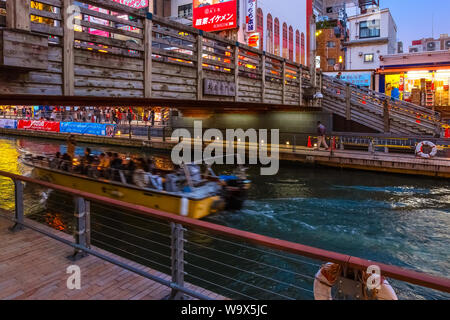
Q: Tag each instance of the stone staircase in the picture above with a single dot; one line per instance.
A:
(366, 107)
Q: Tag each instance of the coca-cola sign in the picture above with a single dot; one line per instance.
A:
(49, 126)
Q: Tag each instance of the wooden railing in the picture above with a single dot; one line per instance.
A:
(118, 51)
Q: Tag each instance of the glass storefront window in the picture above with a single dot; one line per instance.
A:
(422, 87)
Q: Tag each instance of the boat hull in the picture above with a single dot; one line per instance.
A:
(196, 208)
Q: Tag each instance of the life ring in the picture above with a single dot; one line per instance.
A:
(324, 280)
(327, 276)
(420, 153)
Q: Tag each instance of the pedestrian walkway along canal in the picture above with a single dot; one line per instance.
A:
(393, 219)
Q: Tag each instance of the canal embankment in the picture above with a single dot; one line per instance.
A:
(370, 160)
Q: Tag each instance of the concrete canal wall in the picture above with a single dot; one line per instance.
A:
(348, 159)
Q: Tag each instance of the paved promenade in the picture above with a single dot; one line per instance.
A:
(33, 267)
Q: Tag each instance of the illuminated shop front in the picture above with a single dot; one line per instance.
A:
(423, 80)
(422, 87)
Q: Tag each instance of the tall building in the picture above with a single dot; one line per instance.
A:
(277, 28)
(330, 51)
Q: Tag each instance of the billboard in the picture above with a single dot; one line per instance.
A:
(97, 129)
(49, 126)
(8, 123)
(251, 15)
(362, 79)
(215, 15)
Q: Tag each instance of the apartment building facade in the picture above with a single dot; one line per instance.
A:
(371, 35)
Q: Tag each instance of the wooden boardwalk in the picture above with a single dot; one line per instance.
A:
(33, 267)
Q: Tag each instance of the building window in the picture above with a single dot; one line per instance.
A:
(331, 44)
(260, 27)
(291, 43)
(303, 47)
(276, 37)
(285, 41)
(269, 33)
(368, 57)
(185, 11)
(331, 62)
(369, 29)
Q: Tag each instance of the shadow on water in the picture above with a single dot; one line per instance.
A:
(393, 219)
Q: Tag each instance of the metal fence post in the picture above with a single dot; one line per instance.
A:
(18, 198)
(177, 256)
(82, 226)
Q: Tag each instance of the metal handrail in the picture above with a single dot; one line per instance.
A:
(413, 277)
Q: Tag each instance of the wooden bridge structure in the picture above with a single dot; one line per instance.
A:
(100, 52)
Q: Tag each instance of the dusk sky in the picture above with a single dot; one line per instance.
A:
(413, 18)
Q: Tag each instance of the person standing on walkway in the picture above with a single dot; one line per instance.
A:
(321, 138)
(152, 118)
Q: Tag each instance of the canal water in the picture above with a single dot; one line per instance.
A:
(393, 219)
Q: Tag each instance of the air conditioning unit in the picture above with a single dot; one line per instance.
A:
(432, 46)
(447, 44)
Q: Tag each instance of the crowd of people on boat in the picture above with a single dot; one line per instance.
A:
(111, 166)
(138, 171)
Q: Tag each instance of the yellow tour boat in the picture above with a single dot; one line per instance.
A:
(190, 194)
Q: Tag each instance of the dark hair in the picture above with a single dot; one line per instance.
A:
(318, 122)
(88, 150)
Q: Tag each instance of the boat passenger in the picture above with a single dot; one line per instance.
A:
(140, 177)
(56, 161)
(116, 165)
(103, 164)
(66, 162)
(71, 143)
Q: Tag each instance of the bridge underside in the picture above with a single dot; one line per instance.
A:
(199, 106)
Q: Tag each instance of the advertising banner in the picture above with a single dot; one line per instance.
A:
(8, 124)
(251, 15)
(97, 129)
(49, 126)
(362, 79)
(215, 15)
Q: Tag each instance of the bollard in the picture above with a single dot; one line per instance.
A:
(18, 214)
(149, 133)
(82, 226)
(177, 257)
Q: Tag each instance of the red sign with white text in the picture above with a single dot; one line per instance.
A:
(49, 126)
(215, 15)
